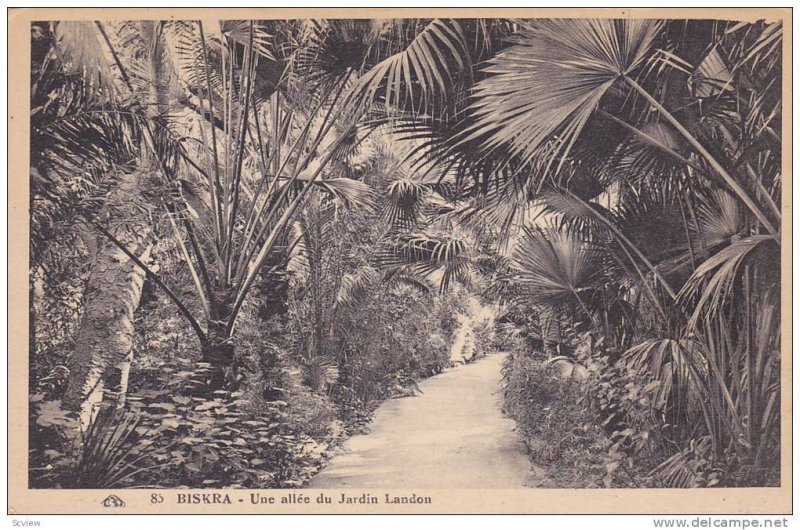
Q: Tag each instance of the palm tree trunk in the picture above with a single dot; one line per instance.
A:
(218, 347)
(104, 340)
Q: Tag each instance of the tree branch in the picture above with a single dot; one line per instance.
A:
(153, 276)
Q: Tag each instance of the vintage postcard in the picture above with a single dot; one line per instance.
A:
(400, 261)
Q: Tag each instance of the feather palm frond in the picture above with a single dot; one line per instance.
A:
(354, 286)
(422, 70)
(714, 280)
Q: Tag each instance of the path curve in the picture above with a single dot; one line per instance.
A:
(454, 435)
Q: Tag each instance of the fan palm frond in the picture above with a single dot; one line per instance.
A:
(327, 50)
(597, 217)
(404, 202)
(550, 81)
(79, 46)
(652, 210)
(720, 218)
(239, 32)
(555, 268)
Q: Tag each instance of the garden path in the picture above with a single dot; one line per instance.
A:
(453, 435)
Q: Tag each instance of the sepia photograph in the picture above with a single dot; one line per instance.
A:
(349, 261)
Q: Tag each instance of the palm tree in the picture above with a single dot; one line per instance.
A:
(614, 126)
(84, 128)
(695, 145)
(234, 158)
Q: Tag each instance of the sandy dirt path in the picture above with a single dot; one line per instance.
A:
(454, 435)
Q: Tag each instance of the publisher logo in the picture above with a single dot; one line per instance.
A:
(112, 501)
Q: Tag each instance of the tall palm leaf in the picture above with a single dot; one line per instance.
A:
(715, 279)
(680, 370)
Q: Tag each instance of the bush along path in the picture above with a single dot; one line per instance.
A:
(563, 438)
(452, 435)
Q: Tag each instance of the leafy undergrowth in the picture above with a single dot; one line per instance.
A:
(274, 428)
(177, 438)
(561, 434)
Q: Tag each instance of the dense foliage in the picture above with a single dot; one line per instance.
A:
(244, 237)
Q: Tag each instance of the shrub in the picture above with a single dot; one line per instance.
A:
(560, 433)
(484, 338)
(401, 335)
(622, 401)
(175, 437)
(106, 455)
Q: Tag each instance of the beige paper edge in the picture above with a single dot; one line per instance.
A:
(455, 501)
